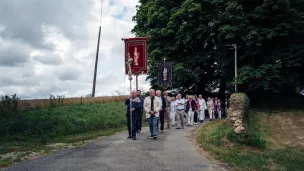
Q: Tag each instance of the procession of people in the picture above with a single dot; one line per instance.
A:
(174, 111)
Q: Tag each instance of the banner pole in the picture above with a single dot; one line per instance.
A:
(130, 98)
(136, 82)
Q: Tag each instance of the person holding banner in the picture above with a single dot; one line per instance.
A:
(152, 106)
(136, 106)
(162, 111)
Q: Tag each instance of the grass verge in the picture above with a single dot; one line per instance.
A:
(31, 133)
(217, 137)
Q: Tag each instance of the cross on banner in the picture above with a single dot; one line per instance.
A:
(128, 63)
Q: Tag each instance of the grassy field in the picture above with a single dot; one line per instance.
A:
(276, 143)
(25, 134)
(52, 101)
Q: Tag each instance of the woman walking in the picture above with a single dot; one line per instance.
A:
(173, 110)
(210, 108)
(219, 108)
(190, 109)
(197, 111)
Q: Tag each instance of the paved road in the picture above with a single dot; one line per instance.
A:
(172, 151)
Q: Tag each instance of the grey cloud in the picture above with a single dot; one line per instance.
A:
(69, 75)
(12, 55)
(26, 22)
(108, 79)
(7, 80)
(49, 59)
(24, 19)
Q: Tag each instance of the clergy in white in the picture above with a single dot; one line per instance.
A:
(203, 107)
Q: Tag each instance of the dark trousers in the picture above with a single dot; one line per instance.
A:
(139, 121)
(162, 119)
(134, 125)
(195, 117)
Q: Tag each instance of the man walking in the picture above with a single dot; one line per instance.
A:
(136, 106)
(162, 111)
(180, 111)
(167, 109)
(203, 107)
(152, 106)
(139, 121)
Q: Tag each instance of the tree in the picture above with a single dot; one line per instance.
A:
(194, 34)
(171, 27)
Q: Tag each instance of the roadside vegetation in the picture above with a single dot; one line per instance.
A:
(274, 142)
(28, 132)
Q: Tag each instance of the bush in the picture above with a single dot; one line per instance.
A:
(8, 106)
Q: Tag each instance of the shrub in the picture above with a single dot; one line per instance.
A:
(8, 106)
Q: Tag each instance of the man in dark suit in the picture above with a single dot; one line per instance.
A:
(191, 107)
(136, 106)
(163, 110)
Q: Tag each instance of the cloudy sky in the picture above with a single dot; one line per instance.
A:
(48, 47)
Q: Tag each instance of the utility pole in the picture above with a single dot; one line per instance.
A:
(235, 65)
(97, 52)
(96, 62)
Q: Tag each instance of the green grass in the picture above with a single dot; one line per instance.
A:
(259, 153)
(32, 130)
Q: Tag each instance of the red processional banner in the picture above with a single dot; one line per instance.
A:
(138, 50)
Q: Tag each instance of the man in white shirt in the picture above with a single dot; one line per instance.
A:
(180, 111)
(152, 106)
(203, 107)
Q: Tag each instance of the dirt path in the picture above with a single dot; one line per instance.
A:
(172, 151)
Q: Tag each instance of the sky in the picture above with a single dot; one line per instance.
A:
(49, 47)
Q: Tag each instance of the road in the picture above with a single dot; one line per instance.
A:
(172, 151)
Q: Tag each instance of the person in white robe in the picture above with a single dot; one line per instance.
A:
(203, 108)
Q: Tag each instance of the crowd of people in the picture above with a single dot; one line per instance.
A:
(176, 111)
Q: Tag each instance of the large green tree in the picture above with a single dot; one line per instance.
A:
(194, 34)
